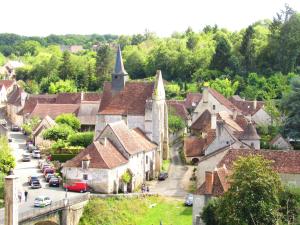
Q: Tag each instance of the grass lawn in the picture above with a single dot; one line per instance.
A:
(166, 165)
(136, 211)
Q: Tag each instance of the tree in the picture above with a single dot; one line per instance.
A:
(104, 62)
(62, 86)
(66, 69)
(7, 160)
(135, 62)
(81, 139)
(68, 119)
(221, 58)
(61, 131)
(291, 103)
(247, 49)
(224, 86)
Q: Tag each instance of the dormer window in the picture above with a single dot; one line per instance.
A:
(85, 163)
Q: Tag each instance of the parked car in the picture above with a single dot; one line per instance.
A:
(49, 176)
(26, 157)
(45, 166)
(54, 182)
(31, 147)
(3, 122)
(77, 187)
(189, 200)
(35, 184)
(163, 176)
(42, 201)
(48, 170)
(36, 154)
(32, 178)
(15, 128)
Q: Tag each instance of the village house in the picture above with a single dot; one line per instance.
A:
(213, 171)
(139, 104)
(116, 150)
(37, 133)
(191, 101)
(253, 110)
(280, 143)
(6, 86)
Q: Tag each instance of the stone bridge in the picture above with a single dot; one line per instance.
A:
(63, 212)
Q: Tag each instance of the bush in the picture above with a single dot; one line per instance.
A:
(209, 215)
(61, 131)
(83, 139)
(7, 160)
(126, 177)
(68, 119)
(62, 157)
(30, 125)
(176, 123)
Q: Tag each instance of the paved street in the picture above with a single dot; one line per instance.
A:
(173, 186)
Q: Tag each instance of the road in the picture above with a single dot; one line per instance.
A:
(25, 169)
(173, 186)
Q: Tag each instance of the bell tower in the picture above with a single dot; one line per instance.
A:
(119, 76)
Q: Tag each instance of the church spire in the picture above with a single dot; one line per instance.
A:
(119, 76)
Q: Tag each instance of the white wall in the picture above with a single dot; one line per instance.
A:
(136, 121)
(261, 117)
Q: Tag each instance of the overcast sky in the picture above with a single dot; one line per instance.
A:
(44, 17)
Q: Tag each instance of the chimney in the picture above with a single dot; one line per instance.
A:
(205, 94)
(255, 104)
(220, 124)
(81, 95)
(213, 121)
(103, 141)
(209, 177)
(234, 114)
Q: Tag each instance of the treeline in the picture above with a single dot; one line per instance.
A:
(257, 62)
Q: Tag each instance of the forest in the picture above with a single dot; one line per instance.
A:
(256, 62)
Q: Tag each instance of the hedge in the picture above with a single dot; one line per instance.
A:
(62, 157)
(83, 139)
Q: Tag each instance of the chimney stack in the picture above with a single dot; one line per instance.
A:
(209, 177)
(81, 95)
(255, 104)
(213, 121)
(205, 94)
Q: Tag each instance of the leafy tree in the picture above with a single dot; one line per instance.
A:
(291, 103)
(221, 58)
(81, 139)
(225, 86)
(2, 59)
(290, 205)
(68, 119)
(66, 69)
(135, 62)
(247, 49)
(61, 131)
(104, 63)
(29, 47)
(172, 90)
(7, 160)
(30, 125)
(62, 86)
(175, 122)
(32, 87)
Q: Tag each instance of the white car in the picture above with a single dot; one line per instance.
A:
(36, 154)
(42, 201)
(26, 157)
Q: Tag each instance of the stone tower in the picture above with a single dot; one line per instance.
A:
(11, 201)
(119, 76)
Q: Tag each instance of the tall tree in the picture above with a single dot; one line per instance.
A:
(221, 58)
(247, 49)
(104, 63)
(66, 69)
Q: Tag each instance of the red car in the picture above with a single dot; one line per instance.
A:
(49, 170)
(77, 187)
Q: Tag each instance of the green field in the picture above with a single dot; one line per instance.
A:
(136, 211)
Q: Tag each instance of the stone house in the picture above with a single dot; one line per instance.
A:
(191, 101)
(139, 104)
(212, 182)
(253, 110)
(37, 133)
(280, 143)
(15, 102)
(116, 150)
(6, 86)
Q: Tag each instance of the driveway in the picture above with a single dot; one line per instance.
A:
(174, 185)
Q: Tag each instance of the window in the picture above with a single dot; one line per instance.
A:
(252, 145)
(146, 159)
(85, 176)
(214, 107)
(116, 77)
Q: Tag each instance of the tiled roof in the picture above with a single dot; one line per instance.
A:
(178, 108)
(132, 140)
(14, 97)
(46, 123)
(219, 186)
(91, 96)
(247, 107)
(192, 100)
(249, 133)
(87, 113)
(53, 110)
(283, 161)
(130, 101)
(242, 121)
(203, 122)
(272, 142)
(229, 121)
(222, 100)
(102, 156)
(68, 98)
(32, 100)
(6, 83)
(194, 146)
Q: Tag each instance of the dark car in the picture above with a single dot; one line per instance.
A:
(35, 184)
(49, 176)
(32, 178)
(54, 182)
(163, 176)
(15, 128)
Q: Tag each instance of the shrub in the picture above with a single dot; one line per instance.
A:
(176, 123)
(81, 139)
(7, 160)
(61, 131)
(62, 157)
(68, 119)
(126, 177)
(30, 125)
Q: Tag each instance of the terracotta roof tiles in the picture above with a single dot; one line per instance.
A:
(53, 110)
(6, 83)
(247, 107)
(192, 100)
(178, 107)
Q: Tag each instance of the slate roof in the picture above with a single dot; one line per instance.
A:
(247, 107)
(178, 107)
(129, 101)
(220, 183)
(6, 83)
(283, 161)
(249, 133)
(53, 110)
(192, 100)
(119, 66)
(102, 156)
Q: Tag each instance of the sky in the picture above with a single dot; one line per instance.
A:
(44, 17)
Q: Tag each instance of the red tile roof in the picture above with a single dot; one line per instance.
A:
(6, 83)
(194, 146)
(68, 98)
(102, 156)
(192, 100)
(283, 161)
(130, 101)
(247, 107)
(53, 110)
(14, 97)
(222, 100)
(32, 100)
(178, 107)
(203, 123)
